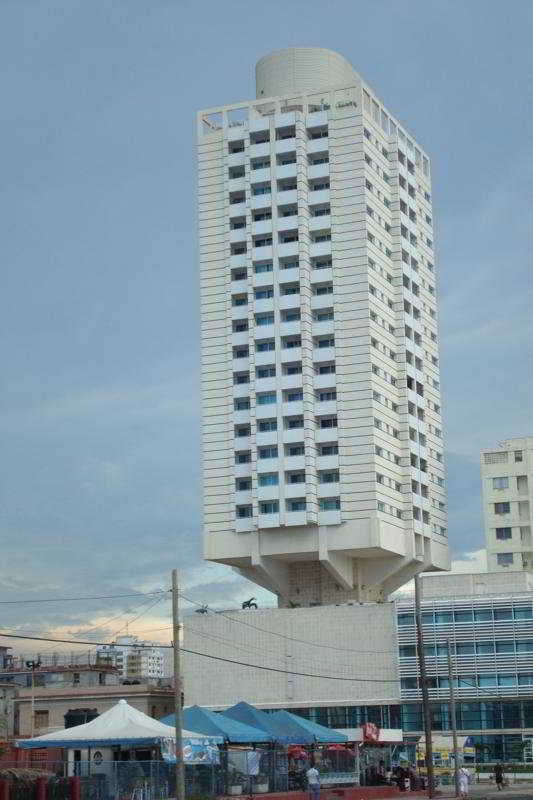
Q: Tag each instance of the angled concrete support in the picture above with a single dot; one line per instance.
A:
(339, 566)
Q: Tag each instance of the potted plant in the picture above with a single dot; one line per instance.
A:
(261, 783)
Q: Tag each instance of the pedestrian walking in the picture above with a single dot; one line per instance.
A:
(499, 776)
(313, 783)
(464, 779)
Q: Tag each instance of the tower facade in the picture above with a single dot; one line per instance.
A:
(507, 489)
(323, 454)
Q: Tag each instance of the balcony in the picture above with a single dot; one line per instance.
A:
(288, 223)
(262, 253)
(262, 175)
(291, 381)
(264, 358)
(288, 197)
(289, 301)
(318, 145)
(319, 223)
(327, 462)
(323, 354)
(324, 381)
(293, 408)
(267, 493)
(291, 275)
(236, 159)
(268, 521)
(263, 279)
(325, 435)
(241, 390)
(318, 196)
(260, 306)
(246, 524)
(266, 411)
(239, 312)
(262, 226)
(286, 170)
(329, 518)
(321, 328)
(237, 235)
(325, 407)
(240, 286)
(318, 171)
(294, 490)
(266, 385)
(290, 329)
(328, 490)
(241, 337)
(321, 301)
(261, 200)
(320, 249)
(240, 364)
(242, 442)
(243, 470)
(261, 150)
(237, 260)
(241, 418)
(287, 249)
(286, 146)
(322, 275)
(292, 435)
(264, 438)
(291, 354)
(295, 462)
(296, 518)
(237, 209)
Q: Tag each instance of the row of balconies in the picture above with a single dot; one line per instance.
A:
(283, 224)
(273, 172)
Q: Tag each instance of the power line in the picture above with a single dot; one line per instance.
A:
(284, 636)
(73, 599)
(215, 658)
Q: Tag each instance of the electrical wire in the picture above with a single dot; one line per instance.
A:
(73, 599)
(215, 658)
(284, 636)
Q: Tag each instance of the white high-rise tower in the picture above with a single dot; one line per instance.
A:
(323, 454)
(507, 487)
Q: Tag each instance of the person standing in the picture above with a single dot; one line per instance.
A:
(499, 776)
(464, 779)
(313, 783)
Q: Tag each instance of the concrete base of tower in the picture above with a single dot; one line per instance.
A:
(357, 561)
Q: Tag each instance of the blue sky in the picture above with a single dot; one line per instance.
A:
(100, 475)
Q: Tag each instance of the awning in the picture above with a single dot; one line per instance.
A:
(120, 725)
(303, 727)
(277, 730)
(213, 724)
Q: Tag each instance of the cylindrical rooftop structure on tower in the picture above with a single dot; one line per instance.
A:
(302, 69)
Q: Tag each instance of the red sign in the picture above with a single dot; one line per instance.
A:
(370, 732)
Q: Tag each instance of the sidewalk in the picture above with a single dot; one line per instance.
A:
(486, 791)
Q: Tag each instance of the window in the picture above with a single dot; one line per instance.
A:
(266, 398)
(294, 422)
(328, 422)
(503, 614)
(243, 512)
(483, 615)
(502, 508)
(293, 315)
(330, 504)
(266, 425)
(329, 477)
(407, 651)
(505, 647)
(264, 294)
(241, 403)
(42, 717)
(464, 616)
(266, 267)
(296, 505)
(268, 452)
(268, 479)
(243, 484)
(466, 649)
(243, 457)
(328, 450)
(406, 619)
(504, 533)
(523, 613)
(265, 372)
(294, 396)
(326, 396)
(270, 507)
(518, 455)
(263, 347)
(408, 683)
(484, 648)
(295, 450)
(295, 477)
(264, 319)
(500, 483)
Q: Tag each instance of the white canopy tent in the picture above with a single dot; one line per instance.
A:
(120, 725)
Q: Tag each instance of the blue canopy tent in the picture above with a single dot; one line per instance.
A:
(299, 725)
(244, 712)
(208, 722)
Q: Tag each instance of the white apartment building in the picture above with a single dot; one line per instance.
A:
(324, 475)
(135, 659)
(507, 488)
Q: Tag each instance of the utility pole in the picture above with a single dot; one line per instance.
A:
(426, 710)
(178, 706)
(453, 719)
